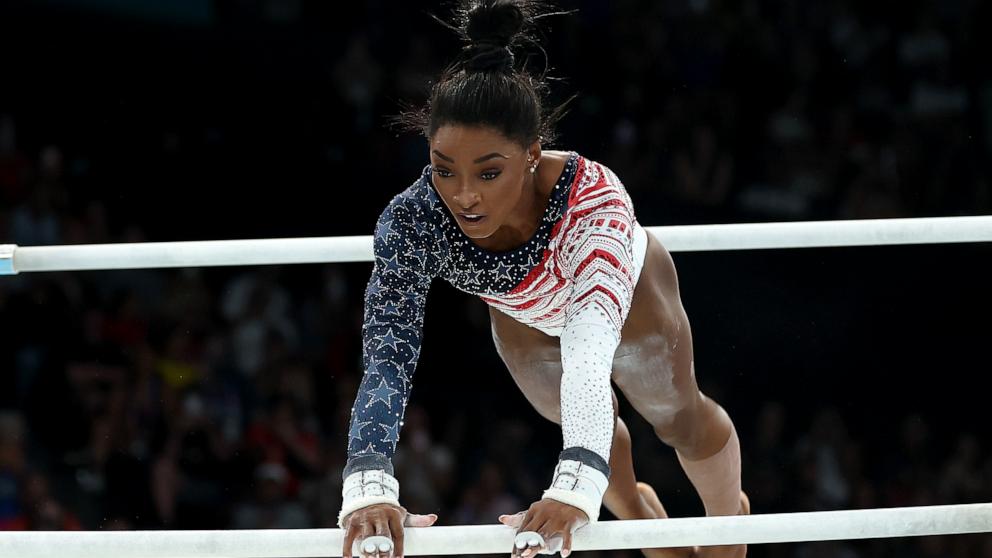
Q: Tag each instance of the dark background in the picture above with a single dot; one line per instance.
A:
(218, 398)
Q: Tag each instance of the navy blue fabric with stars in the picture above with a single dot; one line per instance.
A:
(417, 240)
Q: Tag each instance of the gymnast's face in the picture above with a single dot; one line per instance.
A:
(483, 177)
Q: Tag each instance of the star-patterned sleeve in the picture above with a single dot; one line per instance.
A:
(598, 255)
(391, 335)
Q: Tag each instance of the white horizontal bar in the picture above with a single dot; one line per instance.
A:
(202, 253)
(688, 238)
(824, 234)
(496, 539)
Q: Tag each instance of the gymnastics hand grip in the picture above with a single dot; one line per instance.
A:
(373, 545)
(533, 538)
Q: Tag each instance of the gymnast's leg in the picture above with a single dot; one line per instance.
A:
(655, 370)
(534, 361)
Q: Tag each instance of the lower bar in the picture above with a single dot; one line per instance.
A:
(496, 539)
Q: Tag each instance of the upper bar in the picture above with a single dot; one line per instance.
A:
(687, 238)
(496, 539)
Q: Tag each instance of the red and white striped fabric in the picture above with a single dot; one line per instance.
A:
(582, 292)
(590, 259)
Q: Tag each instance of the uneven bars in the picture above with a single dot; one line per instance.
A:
(496, 539)
(687, 238)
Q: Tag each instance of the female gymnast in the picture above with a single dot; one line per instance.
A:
(579, 294)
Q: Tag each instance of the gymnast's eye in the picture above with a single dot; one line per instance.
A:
(443, 173)
(490, 175)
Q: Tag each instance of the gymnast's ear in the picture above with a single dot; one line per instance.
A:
(534, 152)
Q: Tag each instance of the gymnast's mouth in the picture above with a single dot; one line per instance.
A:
(470, 218)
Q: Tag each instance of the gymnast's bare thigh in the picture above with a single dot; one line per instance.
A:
(652, 366)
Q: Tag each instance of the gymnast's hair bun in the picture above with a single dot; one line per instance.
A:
(483, 86)
(490, 27)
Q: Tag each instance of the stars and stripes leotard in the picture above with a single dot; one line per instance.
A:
(573, 279)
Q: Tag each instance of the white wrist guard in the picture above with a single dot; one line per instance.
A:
(579, 485)
(368, 488)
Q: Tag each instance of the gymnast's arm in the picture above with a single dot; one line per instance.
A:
(391, 336)
(599, 257)
(598, 254)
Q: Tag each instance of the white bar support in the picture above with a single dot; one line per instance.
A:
(688, 238)
(497, 539)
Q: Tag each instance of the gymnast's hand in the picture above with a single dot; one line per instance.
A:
(552, 520)
(384, 520)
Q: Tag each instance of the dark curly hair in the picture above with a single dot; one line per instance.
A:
(485, 86)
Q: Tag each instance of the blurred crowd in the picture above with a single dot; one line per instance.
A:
(203, 399)
(791, 110)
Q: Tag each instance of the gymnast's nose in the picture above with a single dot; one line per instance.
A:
(466, 198)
